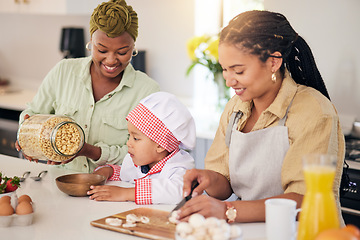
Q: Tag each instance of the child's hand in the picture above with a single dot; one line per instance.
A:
(105, 170)
(111, 193)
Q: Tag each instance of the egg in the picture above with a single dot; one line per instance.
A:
(24, 197)
(23, 208)
(6, 199)
(6, 209)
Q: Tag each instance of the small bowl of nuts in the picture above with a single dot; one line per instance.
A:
(78, 184)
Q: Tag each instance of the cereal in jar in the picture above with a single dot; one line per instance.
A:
(50, 137)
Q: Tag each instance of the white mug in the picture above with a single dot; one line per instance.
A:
(280, 219)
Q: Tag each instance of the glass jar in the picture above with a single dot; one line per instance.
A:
(50, 137)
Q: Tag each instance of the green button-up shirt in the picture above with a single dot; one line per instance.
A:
(67, 90)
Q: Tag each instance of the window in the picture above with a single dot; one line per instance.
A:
(210, 17)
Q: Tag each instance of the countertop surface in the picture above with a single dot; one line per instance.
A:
(16, 99)
(59, 216)
(353, 164)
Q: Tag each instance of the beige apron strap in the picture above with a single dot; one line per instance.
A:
(283, 120)
(234, 119)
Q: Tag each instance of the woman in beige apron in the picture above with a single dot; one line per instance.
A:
(280, 112)
(248, 180)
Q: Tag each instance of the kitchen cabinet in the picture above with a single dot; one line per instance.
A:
(8, 134)
(11, 105)
(54, 7)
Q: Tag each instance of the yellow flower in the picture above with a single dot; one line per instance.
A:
(203, 51)
(193, 43)
(212, 49)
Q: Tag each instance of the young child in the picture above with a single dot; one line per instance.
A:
(158, 126)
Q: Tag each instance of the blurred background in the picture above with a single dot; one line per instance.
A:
(31, 33)
(36, 34)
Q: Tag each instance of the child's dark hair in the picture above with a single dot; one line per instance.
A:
(263, 33)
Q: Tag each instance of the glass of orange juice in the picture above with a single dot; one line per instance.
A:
(318, 210)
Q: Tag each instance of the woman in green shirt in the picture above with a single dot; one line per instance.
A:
(100, 90)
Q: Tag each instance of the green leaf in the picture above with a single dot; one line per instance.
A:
(190, 68)
(3, 185)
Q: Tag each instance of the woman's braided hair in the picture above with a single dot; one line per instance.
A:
(263, 33)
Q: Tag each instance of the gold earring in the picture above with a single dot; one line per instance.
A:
(273, 77)
(88, 46)
(135, 52)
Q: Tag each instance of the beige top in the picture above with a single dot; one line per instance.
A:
(313, 127)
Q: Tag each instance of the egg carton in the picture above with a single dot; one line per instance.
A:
(16, 220)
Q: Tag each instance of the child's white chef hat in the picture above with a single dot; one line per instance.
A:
(165, 120)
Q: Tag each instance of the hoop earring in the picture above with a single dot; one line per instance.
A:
(273, 77)
(135, 52)
(88, 46)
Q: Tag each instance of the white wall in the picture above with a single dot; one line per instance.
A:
(332, 29)
(29, 44)
(165, 27)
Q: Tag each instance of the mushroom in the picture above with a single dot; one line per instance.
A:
(196, 220)
(144, 219)
(184, 229)
(131, 218)
(113, 221)
(174, 217)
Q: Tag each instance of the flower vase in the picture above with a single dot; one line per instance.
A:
(223, 91)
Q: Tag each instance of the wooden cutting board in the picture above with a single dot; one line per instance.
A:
(158, 228)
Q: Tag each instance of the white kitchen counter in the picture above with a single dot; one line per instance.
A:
(16, 99)
(59, 216)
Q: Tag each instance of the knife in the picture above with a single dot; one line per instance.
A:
(187, 198)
